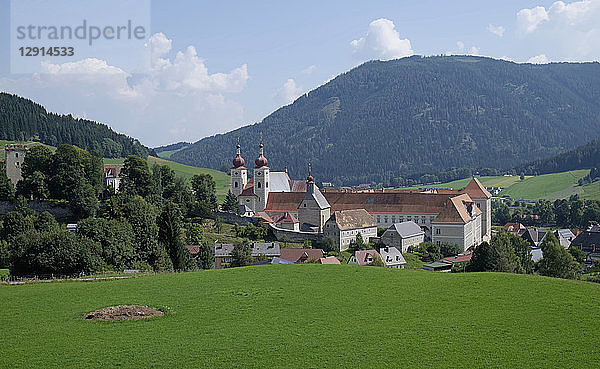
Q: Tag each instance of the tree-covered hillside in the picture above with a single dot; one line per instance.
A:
(406, 117)
(583, 157)
(22, 119)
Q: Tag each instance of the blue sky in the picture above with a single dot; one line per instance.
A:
(251, 57)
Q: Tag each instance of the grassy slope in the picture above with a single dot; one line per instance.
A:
(307, 316)
(548, 186)
(187, 171)
(167, 153)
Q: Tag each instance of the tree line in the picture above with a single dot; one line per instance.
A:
(145, 225)
(563, 213)
(23, 120)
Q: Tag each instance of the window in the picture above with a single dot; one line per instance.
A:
(393, 219)
(304, 204)
(258, 184)
(439, 243)
(17, 155)
(378, 219)
(267, 184)
(235, 185)
(247, 200)
(438, 231)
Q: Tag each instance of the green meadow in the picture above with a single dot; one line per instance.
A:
(547, 186)
(306, 316)
(187, 171)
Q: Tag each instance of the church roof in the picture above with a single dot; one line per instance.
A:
(279, 182)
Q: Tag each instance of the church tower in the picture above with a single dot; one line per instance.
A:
(261, 180)
(314, 210)
(239, 173)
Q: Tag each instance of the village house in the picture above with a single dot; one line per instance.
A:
(343, 226)
(363, 257)
(588, 242)
(223, 252)
(403, 235)
(392, 257)
(300, 255)
(534, 236)
(112, 176)
(329, 260)
(565, 237)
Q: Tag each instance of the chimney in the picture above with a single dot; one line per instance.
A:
(285, 169)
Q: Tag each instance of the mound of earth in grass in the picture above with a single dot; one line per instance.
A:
(120, 312)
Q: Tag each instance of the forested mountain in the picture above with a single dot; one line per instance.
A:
(583, 157)
(22, 119)
(406, 117)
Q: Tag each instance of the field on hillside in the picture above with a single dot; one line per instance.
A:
(306, 316)
(547, 186)
(187, 171)
(167, 153)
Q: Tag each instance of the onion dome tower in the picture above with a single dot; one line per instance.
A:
(261, 179)
(239, 173)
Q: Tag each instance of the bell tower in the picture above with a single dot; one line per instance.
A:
(261, 180)
(239, 173)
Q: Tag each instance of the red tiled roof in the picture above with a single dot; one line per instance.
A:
(193, 249)
(476, 190)
(288, 218)
(295, 255)
(458, 258)
(362, 255)
(248, 191)
(457, 210)
(329, 260)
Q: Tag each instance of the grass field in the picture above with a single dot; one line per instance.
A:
(306, 316)
(187, 171)
(547, 186)
(167, 153)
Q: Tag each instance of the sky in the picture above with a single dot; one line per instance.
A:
(214, 66)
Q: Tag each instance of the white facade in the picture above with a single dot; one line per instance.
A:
(463, 235)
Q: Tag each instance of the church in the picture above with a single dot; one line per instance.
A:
(462, 217)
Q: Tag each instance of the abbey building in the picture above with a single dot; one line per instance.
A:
(462, 217)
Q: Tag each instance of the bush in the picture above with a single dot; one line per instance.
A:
(55, 252)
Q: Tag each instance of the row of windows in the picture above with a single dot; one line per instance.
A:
(423, 219)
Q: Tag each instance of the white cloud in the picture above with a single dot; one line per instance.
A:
(382, 41)
(539, 59)
(177, 100)
(474, 50)
(289, 92)
(570, 30)
(529, 19)
(309, 69)
(460, 45)
(497, 30)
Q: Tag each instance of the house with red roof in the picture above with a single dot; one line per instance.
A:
(300, 255)
(364, 257)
